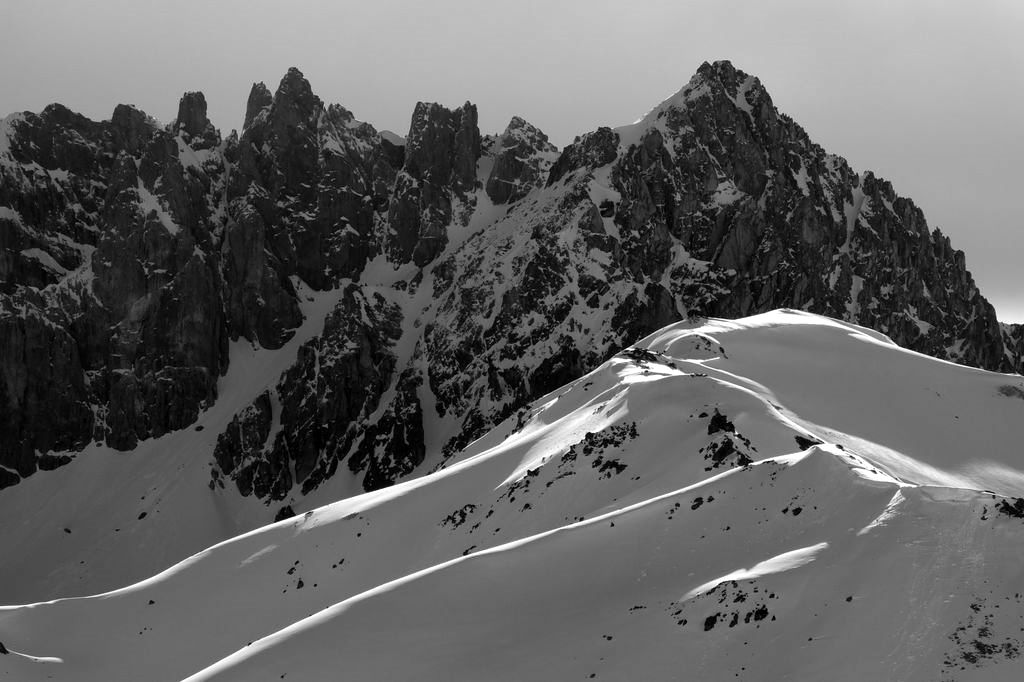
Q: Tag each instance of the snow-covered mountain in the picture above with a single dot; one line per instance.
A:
(783, 496)
(200, 334)
(481, 271)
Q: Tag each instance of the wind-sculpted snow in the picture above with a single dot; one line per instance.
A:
(586, 537)
(972, 435)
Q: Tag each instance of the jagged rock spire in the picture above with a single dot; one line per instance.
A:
(441, 156)
(192, 114)
(259, 99)
(522, 161)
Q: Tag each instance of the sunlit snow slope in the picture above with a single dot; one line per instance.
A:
(782, 497)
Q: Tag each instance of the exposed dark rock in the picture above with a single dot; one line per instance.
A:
(261, 303)
(592, 150)
(522, 161)
(640, 356)
(433, 188)
(43, 393)
(459, 516)
(136, 351)
(310, 173)
(1013, 510)
(729, 447)
(805, 443)
(130, 128)
(394, 446)
(259, 99)
(8, 478)
(720, 422)
(193, 123)
(1013, 345)
(324, 399)
(244, 440)
(132, 254)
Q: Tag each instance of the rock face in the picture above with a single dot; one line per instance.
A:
(522, 160)
(435, 183)
(133, 254)
(470, 273)
(1013, 345)
(336, 382)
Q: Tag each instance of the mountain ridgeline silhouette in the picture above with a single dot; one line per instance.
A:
(465, 274)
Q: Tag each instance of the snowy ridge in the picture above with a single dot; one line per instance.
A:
(783, 496)
(631, 134)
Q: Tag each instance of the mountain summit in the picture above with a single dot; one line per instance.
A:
(314, 308)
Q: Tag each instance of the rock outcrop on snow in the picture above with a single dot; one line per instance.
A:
(727, 499)
(475, 273)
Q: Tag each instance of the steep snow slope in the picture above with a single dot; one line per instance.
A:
(669, 515)
(111, 517)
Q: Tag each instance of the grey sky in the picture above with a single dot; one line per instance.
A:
(927, 94)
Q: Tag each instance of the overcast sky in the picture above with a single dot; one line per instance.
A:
(929, 95)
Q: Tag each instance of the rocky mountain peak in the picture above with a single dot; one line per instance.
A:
(517, 122)
(522, 160)
(716, 94)
(438, 175)
(192, 114)
(295, 93)
(260, 98)
(341, 115)
(61, 115)
(722, 70)
(594, 149)
(720, 74)
(193, 122)
(443, 144)
(520, 132)
(131, 127)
